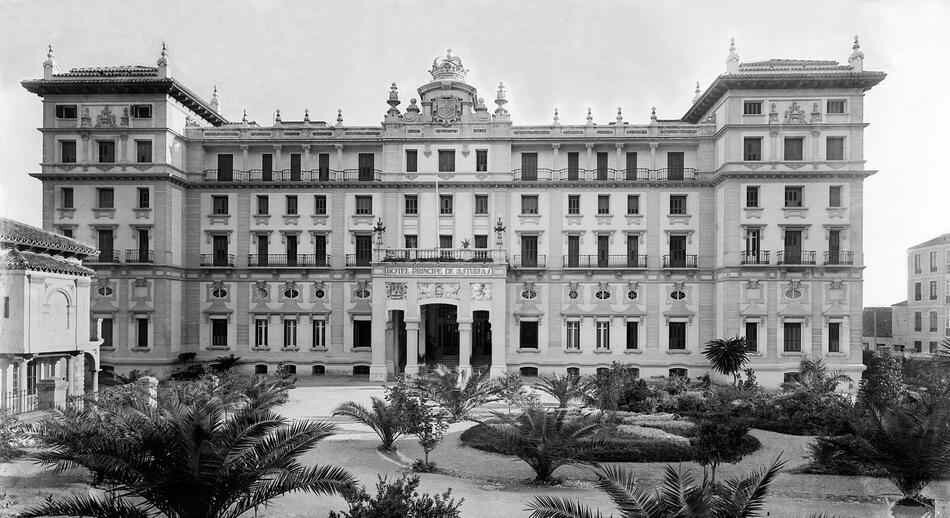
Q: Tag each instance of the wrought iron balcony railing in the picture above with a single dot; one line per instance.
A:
(217, 259)
(543, 174)
(290, 176)
(680, 261)
(756, 259)
(529, 261)
(839, 257)
(105, 257)
(361, 260)
(802, 257)
(137, 255)
(603, 261)
(464, 255)
(289, 260)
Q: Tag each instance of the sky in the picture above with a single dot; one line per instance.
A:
(325, 55)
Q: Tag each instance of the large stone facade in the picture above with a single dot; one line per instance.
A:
(449, 234)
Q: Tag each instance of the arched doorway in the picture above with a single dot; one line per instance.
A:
(481, 339)
(89, 373)
(439, 326)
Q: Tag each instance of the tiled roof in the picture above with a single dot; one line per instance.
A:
(23, 235)
(14, 259)
(939, 240)
(115, 71)
(792, 64)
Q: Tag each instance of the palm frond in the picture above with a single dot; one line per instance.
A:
(85, 505)
(621, 486)
(746, 495)
(557, 507)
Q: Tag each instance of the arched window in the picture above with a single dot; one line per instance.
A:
(529, 372)
(573, 371)
(260, 369)
(319, 370)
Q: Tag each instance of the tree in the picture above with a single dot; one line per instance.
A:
(719, 440)
(382, 417)
(459, 394)
(563, 388)
(419, 416)
(545, 439)
(399, 499)
(727, 356)
(195, 452)
(510, 389)
(677, 495)
(883, 381)
(225, 363)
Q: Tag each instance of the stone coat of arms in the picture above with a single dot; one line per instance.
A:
(446, 110)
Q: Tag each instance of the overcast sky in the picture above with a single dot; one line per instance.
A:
(265, 55)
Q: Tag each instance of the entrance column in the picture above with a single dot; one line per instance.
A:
(378, 369)
(465, 347)
(412, 347)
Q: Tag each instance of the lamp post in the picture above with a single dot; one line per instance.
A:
(378, 230)
(499, 233)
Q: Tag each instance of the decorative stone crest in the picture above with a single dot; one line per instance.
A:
(439, 290)
(261, 292)
(448, 67)
(446, 110)
(362, 291)
(105, 119)
(86, 120)
(481, 291)
(795, 114)
(124, 120)
(290, 291)
(773, 114)
(395, 290)
(319, 290)
(815, 113)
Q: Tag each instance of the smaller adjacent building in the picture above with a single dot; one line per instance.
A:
(878, 328)
(46, 353)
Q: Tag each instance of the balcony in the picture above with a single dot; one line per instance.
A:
(135, 255)
(755, 259)
(291, 176)
(680, 261)
(361, 260)
(218, 259)
(454, 255)
(105, 257)
(839, 258)
(529, 262)
(605, 175)
(289, 260)
(603, 261)
(795, 257)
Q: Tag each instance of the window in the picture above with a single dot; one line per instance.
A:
(918, 346)
(290, 333)
(481, 241)
(219, 332)
(917, 291)
(933, 261)
(319, 333)
(323, 166)
(834, 196)
(481, 204)
(601, 165)
(793, 196)
(752, 108)
(834, 337)
(106, 333)
(835, 106)
(6, 307)
(445, 241)
(291, 205)
(320, 204)
(933, 290)
(295, 167)
(143, 151)
(445, 204)
(834, 148)
(446, 160)
(574, 204)
(677, 331)
(603, 335)
(918, 321)
(106, 151)
(141, 111)
(752, 337)
(67, 151)
(267, 167)
(678, 204)
(528, 332)
(529, 166)
(68, 232)
(752, 149)
(261, 326)
(481, 160)
(66, 198)
(917, 264)
(794, 148)
(105, 198)
(362, 334)
(752, 196)
(529, 204)
(366, 163)
(263, 205)
(793, 337)
(219, 205)
(66, 111)
(364, 205)
(412, 161)
(633, 336)
(633, 204)
(411, 204)
(603, 204)
(933, 321)
(573, 335)
(141, 333)
(631, 166)
(933, 347)
(144, 201)
(573, 166)
(675, 163)
(260, 369)
(412, 241)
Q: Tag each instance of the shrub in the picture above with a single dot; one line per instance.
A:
(829, 456)
(459, 394)
(804, 413)
(718, 441)
(563, 388)
(382, 417)
(619, 389)
(419, 416)
(511, 389)
(882, 381)
(14, 437)
(399, 499)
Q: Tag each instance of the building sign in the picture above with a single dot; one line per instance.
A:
(438, 271)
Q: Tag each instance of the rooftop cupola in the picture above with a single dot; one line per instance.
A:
(856, 60)
(732, 62)
(448, 67)
(48, 64)
(163, 61)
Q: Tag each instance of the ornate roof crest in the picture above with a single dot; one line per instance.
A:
(448, 67)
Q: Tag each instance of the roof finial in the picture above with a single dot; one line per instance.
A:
(653, 114)
(856, 45)
(590, 116)
(501, 99)
(214, 98)
(277, 116)
(448, 53)
(339, 117)
(163, 61)
(244, 116)
(49, 53)
(696, 92)
(732, 62)
(48, 64)
(619, 116)
(856, 60)
(306, 114)
(557, 118)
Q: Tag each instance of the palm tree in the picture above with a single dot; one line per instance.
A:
(197, 456)
(815, 377)
(225, 363)
(728, 356)
(382, 417)
(545, 439)
(457, 392)
(563, 388)
(678, 495)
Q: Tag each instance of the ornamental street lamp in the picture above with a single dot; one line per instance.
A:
(499, 233)
(379, 229)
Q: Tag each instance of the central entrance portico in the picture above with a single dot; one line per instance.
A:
(451, 313)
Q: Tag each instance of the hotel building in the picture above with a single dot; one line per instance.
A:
(449, 234)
